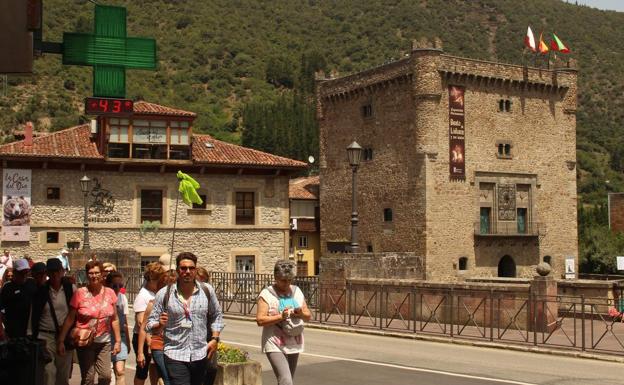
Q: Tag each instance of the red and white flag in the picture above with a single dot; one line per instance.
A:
(529, 40)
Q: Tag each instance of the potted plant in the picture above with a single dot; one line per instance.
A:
(235, 367)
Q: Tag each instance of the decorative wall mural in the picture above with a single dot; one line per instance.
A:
(507, 202)
(103, 201)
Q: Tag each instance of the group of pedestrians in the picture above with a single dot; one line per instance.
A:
(178, 321)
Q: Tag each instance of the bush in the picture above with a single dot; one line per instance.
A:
(230, 355)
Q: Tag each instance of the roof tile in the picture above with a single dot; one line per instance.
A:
(304, 188)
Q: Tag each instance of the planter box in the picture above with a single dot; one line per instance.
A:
(247, 373)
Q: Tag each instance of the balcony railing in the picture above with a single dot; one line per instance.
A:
(529, 229)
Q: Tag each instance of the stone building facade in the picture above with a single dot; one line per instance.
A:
(243, 224)
(468, 163)
(305, 240)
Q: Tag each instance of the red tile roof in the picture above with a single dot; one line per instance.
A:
(208, 150)
(304, 188)
(74, 142)
(147, 108)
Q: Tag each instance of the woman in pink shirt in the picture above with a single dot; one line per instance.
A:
(93, 307)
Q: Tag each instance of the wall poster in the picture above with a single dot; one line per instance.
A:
(16, 190)
(457, 148)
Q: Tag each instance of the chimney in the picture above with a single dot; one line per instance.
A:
(28, 134)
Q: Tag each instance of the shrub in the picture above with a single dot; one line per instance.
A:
(230, 355)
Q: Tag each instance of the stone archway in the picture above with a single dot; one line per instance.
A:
(507, 267)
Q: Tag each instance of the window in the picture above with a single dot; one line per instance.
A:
(369, 248)
(52, 237)
(463, 263)
(504, 149)
(73, 245)
(368, 153)
(303, 241)
(504, 105)
(118, 141)
(245, 210)
(149, 139)
(179, 141)
(338, 247)
(245, 264)
(484, 220)
(387, 215)
(203, 204)
(547, 259)
(53, 193)
(521, 217)
(151, 205)
(367, 110)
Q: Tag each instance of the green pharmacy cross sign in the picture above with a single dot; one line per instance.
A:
(109, 51)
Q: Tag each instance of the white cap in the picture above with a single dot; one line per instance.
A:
(165, 261)
(64, 251)
(21, 264)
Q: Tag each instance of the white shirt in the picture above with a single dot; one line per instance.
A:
(274, 340)
(140, 304)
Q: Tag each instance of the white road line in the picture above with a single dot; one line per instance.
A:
(422, 370)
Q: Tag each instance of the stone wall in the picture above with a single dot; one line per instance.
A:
(338, 268)
(210, 233)
(434, 215)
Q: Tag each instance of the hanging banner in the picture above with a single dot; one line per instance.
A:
(16, 186)
(457, 166)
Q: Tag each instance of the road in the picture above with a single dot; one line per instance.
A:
(337, 358)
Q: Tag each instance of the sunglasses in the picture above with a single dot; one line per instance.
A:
(187, 268)
(117, 285)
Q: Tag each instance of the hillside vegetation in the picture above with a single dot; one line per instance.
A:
(240, 63)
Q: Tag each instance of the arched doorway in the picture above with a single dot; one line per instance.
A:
(506, 267)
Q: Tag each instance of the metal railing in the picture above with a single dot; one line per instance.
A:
(498, 228)
(563, 322)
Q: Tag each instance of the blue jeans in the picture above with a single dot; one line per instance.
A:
(159, 359)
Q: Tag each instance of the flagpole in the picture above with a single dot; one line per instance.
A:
(175, 220)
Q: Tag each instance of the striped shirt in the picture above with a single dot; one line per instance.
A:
(187, 344)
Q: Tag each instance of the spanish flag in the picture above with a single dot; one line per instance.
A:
(557, 45)
(542, 47)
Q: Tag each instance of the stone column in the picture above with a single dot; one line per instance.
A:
(544, 309)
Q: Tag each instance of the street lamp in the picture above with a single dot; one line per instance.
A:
(354, 152)
(84, 186)
(299, 256)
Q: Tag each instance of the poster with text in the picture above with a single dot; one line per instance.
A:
(16, 189)
(570, 267)
(457, 148)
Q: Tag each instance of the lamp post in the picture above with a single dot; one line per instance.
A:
(84, 186)
(354, 152)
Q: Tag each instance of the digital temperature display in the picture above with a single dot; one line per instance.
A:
(106, 106)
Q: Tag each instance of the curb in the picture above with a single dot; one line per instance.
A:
(452, 340)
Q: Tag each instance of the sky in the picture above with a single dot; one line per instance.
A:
(614, 5)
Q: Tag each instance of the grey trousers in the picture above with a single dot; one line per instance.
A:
(57, 371)
(284, 366)
(92, 359)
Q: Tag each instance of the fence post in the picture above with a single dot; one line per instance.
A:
(348, 302)
(582, 322)
(533, 308)
(413, 293)
(381, 307)
(451, 307)
(491, 314)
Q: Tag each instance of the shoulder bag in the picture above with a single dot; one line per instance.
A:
(292, 326)
(84, 337)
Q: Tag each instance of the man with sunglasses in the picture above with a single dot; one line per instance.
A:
(190, 310)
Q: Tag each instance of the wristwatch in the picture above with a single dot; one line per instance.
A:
(215, 339)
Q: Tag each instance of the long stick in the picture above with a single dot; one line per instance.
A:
(175, 220)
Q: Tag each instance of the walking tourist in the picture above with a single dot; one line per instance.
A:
(64, 257)
(281, 312)
(50, 307)
(152, 275)
(92, 312)
(6, 262)
(156, 342)
(114, 280)
(7, 276)
(184, 314)
(39, 273)
(15, 300)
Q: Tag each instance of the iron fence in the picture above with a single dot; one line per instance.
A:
(515, 317)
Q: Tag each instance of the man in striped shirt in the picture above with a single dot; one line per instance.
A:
(186, 317)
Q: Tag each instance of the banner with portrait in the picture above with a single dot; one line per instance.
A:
(16, 193)
(457, 148)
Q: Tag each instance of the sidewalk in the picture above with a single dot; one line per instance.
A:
(75, 378)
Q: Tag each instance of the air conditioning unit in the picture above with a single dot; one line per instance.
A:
(293, 223)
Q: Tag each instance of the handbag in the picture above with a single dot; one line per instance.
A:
(84, 337)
